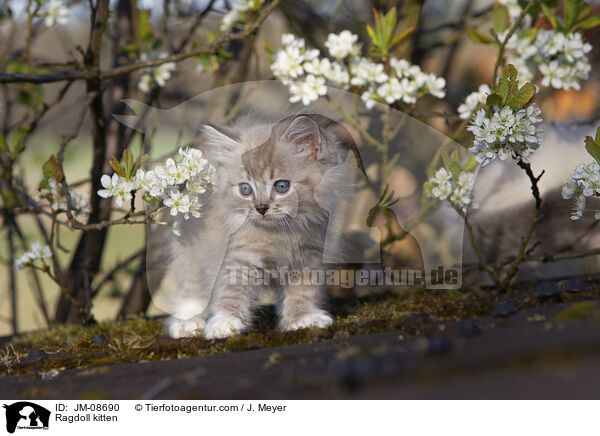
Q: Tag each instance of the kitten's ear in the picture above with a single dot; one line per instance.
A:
(220, 143)
(304, 136)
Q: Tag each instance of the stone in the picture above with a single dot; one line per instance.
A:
(35, 355)
(548, 289)
(576, 285)
(99, 339)
(467, 328)
(504, 309)
(438, 344)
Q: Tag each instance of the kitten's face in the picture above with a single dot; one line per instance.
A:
(271, 184)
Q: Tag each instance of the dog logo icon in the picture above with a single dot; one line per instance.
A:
(26, 415)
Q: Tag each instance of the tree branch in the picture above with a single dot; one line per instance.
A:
(94, 73)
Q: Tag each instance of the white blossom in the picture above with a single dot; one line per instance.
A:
(342, 45)
(578, 208)
(392, 90)
(443, 184)
(176, 184)
(553, 74)
(237, 12)
(584, 181)
(155, 76)
(118, 187)
(306, 73)
(338, 74)
(289, 39)
(473, 100)
(513, 7)
(177, 202)
(507, 133)
(369, 98)
(308, 90)
(457, 191)
(560, 58)
(36, 252)
(365, 72)
(318, 67)
(288, 63)
(435, 85)
(58, 201)
(57, 13)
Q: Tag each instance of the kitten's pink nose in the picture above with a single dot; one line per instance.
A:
(262, 208)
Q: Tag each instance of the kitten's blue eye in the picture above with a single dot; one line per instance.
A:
(245, 189)
(282, 186)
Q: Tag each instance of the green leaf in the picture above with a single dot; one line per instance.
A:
(500, 18)
(3, 144)
(503, 85)
(446, 161)
(570, 13)
(157, 43)
(494, 99)
(381, 35)
(9, 199)
(598, 136)
(30, 96)
(17, 140)
(510, 72)
(402, 36)
(530, 34)
(428, 187)
(51, 169)
(522, 96)
(549, 15)
(455, 170)
(454, 156)
(144, 27)
(268, 50)
(471, 164)
(452, 164)
(44, 185)
(513, 87)
(478, 37)
(592, 148)
(131, 48)
(114, 163)
(128, 163)
(588, 22)
(139, 163)
(372, 35)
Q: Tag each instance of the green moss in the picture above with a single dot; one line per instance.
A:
(578, 311)
(136, 338)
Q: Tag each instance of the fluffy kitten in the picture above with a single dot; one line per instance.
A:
(262, 215)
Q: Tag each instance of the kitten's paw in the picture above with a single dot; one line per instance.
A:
(222, 326)
(319, 319)
(185, 328)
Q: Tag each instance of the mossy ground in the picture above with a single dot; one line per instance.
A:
(414, 312)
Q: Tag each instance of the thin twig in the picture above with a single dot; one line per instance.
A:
(484, 265)
(514, 267)
(95, 73)
(510, 33)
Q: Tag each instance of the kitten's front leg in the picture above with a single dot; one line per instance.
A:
(300, 308)
(188, 318)
(185, 328)
(230, 308)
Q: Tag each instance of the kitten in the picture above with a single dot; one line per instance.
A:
(262, 215)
